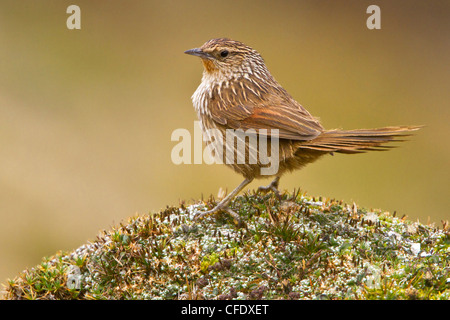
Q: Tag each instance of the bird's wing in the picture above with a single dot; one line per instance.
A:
(289, 117)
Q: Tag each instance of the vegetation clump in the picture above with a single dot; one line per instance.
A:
(300, 248)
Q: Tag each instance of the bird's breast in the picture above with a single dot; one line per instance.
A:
(200, 99)
(210, 86)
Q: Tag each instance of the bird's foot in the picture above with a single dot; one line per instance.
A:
(270, 187)
(273, 186)
(221, 208)
(223, 205)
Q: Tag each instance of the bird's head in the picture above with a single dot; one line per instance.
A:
(229, 57)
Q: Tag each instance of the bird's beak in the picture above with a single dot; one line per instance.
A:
(199, 53)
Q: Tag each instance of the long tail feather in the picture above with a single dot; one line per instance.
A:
(360, 140)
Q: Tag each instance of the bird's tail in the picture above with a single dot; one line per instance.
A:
(360, 140)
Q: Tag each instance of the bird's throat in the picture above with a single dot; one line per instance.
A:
(209, 65)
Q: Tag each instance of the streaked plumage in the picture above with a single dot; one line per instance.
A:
(238, 92)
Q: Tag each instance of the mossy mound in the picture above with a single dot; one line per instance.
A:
(301, 248)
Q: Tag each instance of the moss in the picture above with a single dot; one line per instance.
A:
(301, 248)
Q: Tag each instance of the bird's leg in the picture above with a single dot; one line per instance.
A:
(273, 186)
(223, 205)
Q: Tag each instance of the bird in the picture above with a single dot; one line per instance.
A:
(237, 92)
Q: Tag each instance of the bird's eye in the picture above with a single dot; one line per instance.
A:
(224, 53)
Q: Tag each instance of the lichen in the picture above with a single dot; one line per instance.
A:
(301, 248)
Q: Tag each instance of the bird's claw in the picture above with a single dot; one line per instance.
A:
(273, 186)
(236, 218)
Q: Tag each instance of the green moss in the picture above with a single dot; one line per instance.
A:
(301, 248)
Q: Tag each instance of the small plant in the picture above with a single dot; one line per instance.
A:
(301, 248)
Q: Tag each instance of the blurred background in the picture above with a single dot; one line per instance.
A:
(86, 115)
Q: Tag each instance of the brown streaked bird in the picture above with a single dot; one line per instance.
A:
(238, 92)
